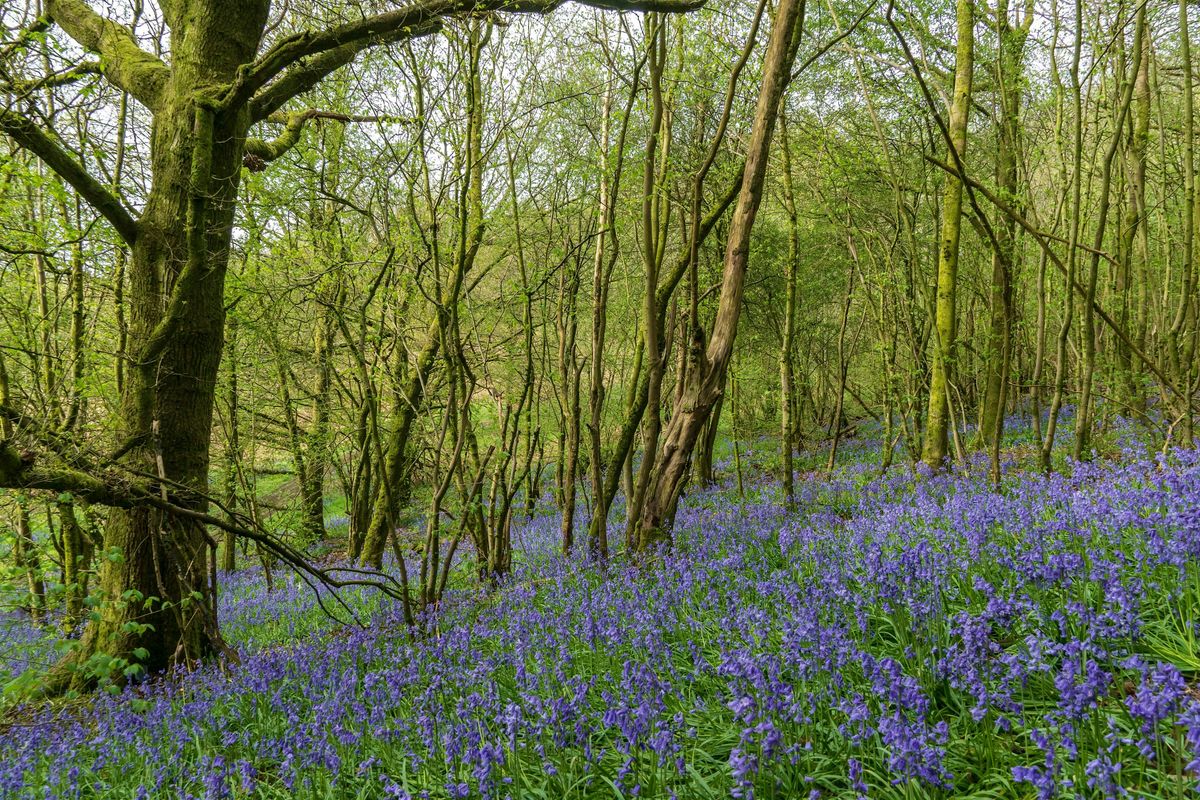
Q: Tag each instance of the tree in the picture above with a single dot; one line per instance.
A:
(939, 417)
(219, 83)
(1010, 76)
(709, 360)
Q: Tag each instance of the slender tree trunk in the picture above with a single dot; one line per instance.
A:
(603, 261)
(75, 561)
(842, 359)
(653, 249)
(939, 417)
(569, 377)
(233, 445)
(787, 368)
(1064, 333)
(1010, 80)
(1177, 334)
(1134, 248)
(708, 443)
(296, 443)
(316, 442)
(733, 432)
(1083, 417)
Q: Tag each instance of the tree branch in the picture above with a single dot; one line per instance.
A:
(28, 135)
(411, 21)
(126, 65)
(338, 46)
(306, 75)
(23, 471)
(260, 151)
(24, 88)
(24, 37)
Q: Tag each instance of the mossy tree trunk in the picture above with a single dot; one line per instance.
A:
(1180, 342)
(787, 352)
(1010, 81)
(176, 333)
(938, 417)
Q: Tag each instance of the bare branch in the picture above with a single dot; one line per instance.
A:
(825, 48)
(24, 37)
(132, 490)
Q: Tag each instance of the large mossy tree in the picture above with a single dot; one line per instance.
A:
(222, 77)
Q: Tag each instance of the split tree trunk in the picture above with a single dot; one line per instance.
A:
(710, 362)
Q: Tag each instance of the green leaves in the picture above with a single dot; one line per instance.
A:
(136, 628)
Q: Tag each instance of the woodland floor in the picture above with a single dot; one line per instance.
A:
(889, 636)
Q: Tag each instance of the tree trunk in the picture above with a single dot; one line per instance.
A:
(1134, 246)
(603, 261)
(939, 418)
(1010, 80)
(76, 555)
(1083, 416)
(233, 447)
(843, 361)
(711, 362)
(708, 442)
(176, 330)
(1064, 332)
(787, 368)
(654, 235)
(1177, 334)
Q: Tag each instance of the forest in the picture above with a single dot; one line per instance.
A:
(599, 399)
